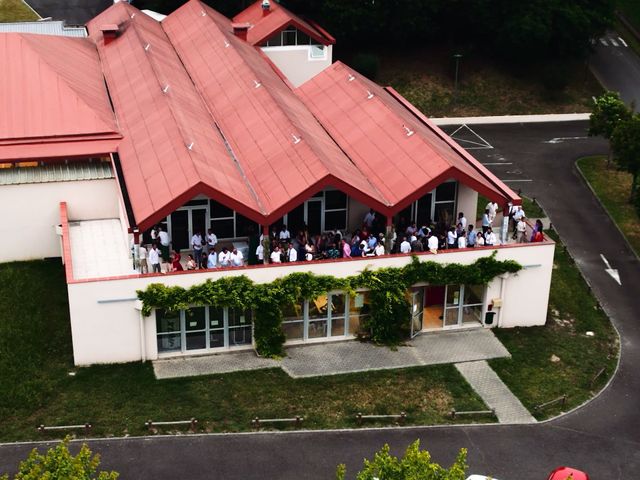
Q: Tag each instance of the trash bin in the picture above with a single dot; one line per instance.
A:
(488, 318)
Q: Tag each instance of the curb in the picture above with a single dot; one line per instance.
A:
(584, 179)
(505, 119)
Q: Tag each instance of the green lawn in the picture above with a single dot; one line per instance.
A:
(15, 11)
(531, 374)
(35, 358)
(612, 187)
(425, 77)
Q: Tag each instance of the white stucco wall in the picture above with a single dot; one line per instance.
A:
(106, 327)
(31, 211)
(467, 202)
(296, 63)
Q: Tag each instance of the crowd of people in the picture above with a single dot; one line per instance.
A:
(367, 241)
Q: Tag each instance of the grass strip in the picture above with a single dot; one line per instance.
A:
(612, 186)
(16, 11)
(559, 358)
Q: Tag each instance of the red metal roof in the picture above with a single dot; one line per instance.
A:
(260, 116)
(276, 20)
(171, 150)
(402, 153)
(53, 94)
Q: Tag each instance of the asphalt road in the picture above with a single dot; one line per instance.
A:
(617, 67)
(74, 12)
(603, 437)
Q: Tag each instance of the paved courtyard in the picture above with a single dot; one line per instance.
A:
(346, 357)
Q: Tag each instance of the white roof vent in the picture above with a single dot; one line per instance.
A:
(408, 130)
(370, 95)
(351, 78)
(296, 139)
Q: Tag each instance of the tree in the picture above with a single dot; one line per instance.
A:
(415, 465)
(625, 142)
(607, 114)
(59, 464)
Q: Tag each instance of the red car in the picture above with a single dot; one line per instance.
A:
(566, 473)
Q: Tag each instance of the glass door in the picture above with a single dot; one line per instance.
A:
(417, 311)
(452, 306)
(198, 222)
(314, 216)
(180, 229)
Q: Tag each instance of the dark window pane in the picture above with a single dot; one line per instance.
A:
(275, 41)
(239, 318)
(303, 38)
(337, 327)
(473, 294)
(196, 341)
(334, 199)
(239, 336)
(216, 317)
(203, 201)
(169, 343)
(293, 330)
(335, 220)
(216, 339)
(289, 37)
(223, 228)
(220, 211)
(424, 210)
(167, 321)
(446, 191)
(292, 310)
(194, 319)
(245, 226)
(338, 304)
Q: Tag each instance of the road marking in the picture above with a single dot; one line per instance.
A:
(498, 163)
(562, 139)
(515, 180)
(611, 271)
(482, 144)
(623, 42)
(615, 44)
(603, 42)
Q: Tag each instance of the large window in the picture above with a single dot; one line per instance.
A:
(327, 210)
(437, 206)
(325, 316)
(202, 329)
(463, 305)
(227, 223)
(290, 36)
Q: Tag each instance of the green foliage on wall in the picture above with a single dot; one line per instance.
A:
(390, 309)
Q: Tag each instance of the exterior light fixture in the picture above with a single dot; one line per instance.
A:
(369, 95)
(257, 83)
(165, 88)
(351, 78)
(296, 139)
(408, 130)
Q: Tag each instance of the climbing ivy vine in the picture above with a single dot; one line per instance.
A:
(390, 315)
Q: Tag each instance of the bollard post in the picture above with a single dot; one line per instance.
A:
(87, 428)
(298, 421)
(194, 425)
(256, 423)
(453, 413)
(403, 417)
(150, 425)
(359, 418)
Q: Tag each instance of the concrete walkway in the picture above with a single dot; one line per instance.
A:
(494, 392)
(345, 357)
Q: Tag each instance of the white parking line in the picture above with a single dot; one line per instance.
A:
(615, 44)
(623, 42)
(498, 163)
(603, 42)
(515, 180)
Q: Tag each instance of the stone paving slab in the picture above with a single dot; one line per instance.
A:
(494, 392)
(211, 364)
(336, 358)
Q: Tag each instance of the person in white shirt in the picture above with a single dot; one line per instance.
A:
(379, 250)
(212, 240)
(462, 220)
(284, 233)
(237, 259)
(275, 255)
(462, 240)
(225, 257)
(493, 210)
(164, 245)
(452, 238)
(490, 238)
(292, 254)
(154, 259)
(260, 252)
(196, 245)
(405, 246)
(212, 259)
(521, 229)
(432, 243)
(142, 256)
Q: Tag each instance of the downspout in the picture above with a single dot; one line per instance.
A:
(503, 291)
(143, 339)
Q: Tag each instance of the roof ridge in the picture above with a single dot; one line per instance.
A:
(29, 40)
